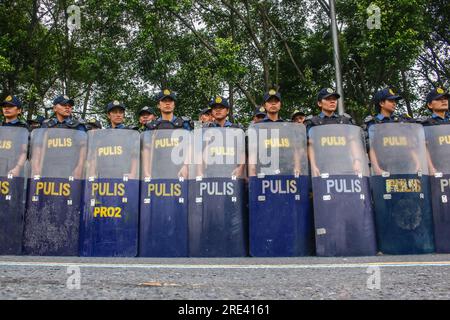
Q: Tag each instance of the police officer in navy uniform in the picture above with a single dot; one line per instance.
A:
(12, 159)
(205, 115)
(327, 100)
(116, 115)
(36, 123)
(146, 114)
(62, 107)
(12, 109)
(258, 114)
(166, 105)
(272, 105)
(93, 124)
(220, 108)
(57, 161)
(385, 102)
(437, 102)
(298, 117)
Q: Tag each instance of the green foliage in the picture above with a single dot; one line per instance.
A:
(129, 50)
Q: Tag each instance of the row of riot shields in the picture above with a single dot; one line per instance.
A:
(219, 192)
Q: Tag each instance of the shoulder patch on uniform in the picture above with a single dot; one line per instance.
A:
(368, 118)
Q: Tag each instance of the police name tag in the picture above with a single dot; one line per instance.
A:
(438, 175)
(327, 197)
(325, 175)
(385, 174)
(387, 197)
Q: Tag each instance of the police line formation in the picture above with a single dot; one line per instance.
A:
(220, 191)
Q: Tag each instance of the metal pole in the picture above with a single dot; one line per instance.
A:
(337, 62)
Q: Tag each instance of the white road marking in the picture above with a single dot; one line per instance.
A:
(225, 266)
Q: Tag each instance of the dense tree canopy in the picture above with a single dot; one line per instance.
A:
(129, 49)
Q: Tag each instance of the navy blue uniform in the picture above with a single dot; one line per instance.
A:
(435, 120)
(68, 123)
(175, 123)
(322, 119)
(15, 123)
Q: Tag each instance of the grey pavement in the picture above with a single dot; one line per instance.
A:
(381, 277)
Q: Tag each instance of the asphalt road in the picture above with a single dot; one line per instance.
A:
(382, 277)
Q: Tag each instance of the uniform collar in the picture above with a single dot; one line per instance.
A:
(267, 119)
(120, 126)
(322, 115)
(381, 117)
(13, 122)
(225, 125)
(435, 116)
(66, 120)
(173, 119)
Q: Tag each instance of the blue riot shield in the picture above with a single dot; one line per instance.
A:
(343, 213)
(13, 174)
(400, 188)
(164, 193)
(438, 155)
(281, 221)
(52, 218)
(217, 203)
(109, 226)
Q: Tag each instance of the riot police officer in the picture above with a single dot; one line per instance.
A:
(93, 124)
(166, 104)
(272, 105)
(116, 115)
(146, 114)
(36, 123)
(298, 116)
(12, 109)
(62, 107)
(258, 114)
(437, 102)
(220, 108)
(385, 102)
(327, 100)
(205, 115)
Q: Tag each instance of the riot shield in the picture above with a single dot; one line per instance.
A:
(109, 225)
(217, 202)
(13, 161)
(438, 156)
(280, 211)
(400, 188)
(343, 213)
(163, 221)
(52, 218)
